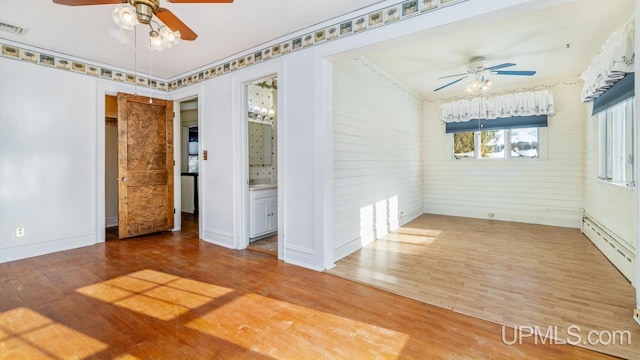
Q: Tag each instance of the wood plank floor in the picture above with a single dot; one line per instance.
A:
(508, 273)
(172, 296)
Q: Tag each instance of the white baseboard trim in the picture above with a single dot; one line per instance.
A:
(221, 238)
(612, 247)
(347, 249)
(301, 257)
(562, 218)
(47, 247)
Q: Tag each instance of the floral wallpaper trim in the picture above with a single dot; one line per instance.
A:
(374, 19)
(61, 63)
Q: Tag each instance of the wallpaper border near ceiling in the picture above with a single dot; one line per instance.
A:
(378, 18)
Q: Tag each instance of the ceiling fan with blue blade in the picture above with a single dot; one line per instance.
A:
(479, 69)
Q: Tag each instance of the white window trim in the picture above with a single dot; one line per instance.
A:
(605, 160)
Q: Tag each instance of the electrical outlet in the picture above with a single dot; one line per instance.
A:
(19, 231)
(636, 315)
(491, 215)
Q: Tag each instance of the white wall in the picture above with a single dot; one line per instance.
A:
(611, 205)
(543, 191)
(297, 158)
(52, 170)
(225, 174)
(377, 159)
(216, 174)
(47, 160)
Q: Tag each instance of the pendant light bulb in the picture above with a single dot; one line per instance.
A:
(125, 17)
(169, 38)
(156, 41)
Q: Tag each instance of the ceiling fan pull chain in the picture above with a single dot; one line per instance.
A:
(135, 60)
(149, 83)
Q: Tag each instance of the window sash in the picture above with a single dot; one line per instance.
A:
(616, 143)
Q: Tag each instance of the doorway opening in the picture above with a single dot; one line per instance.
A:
(190, 183)
(111, 167)
(262, 123)
(139, 166)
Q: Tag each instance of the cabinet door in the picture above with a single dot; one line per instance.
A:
(260, 215)
(273, 214)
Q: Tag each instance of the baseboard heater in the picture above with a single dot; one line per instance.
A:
(618, 251)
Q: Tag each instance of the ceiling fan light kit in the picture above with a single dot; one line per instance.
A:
(130, 13)
(479, 69)
(141, 11)
(478, 85)
(125, 17)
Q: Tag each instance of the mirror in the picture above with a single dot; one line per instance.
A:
(261, 114)
(260, 143)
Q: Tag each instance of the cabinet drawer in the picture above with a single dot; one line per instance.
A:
(261, 194)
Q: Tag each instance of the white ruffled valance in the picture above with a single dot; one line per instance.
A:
(502, 106)
(614, 61)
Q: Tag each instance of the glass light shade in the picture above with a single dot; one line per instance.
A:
(156, 41)
(473, 86)
(486, 85)
(125, 17)
(169, 37)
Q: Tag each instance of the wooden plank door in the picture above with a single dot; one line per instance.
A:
(145, 165)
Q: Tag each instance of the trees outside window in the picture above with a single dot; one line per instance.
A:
(497, 144)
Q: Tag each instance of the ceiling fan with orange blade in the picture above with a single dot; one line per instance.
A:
(144, 12)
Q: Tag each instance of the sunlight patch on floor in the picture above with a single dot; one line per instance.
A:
(126, 357)
(420, 232)
(282, 330)
(153, 293)
(26, 334)
(409, 239)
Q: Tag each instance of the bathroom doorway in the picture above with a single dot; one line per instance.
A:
(262, 141)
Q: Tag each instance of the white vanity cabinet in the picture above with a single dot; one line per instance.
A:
(264, 211)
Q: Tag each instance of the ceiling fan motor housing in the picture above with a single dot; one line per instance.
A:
(477, 64)
(145, 9)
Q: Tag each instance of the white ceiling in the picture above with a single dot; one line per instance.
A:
(535, 41)
(223, 30)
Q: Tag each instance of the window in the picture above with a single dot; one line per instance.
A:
(615, 142)
(524, 142)
(464, 145)
(497, 144)
(492, 144)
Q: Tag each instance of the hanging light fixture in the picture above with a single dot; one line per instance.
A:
(479, 85)
(169, 38)
(125, 17)
(160, 37)
(156, 41)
